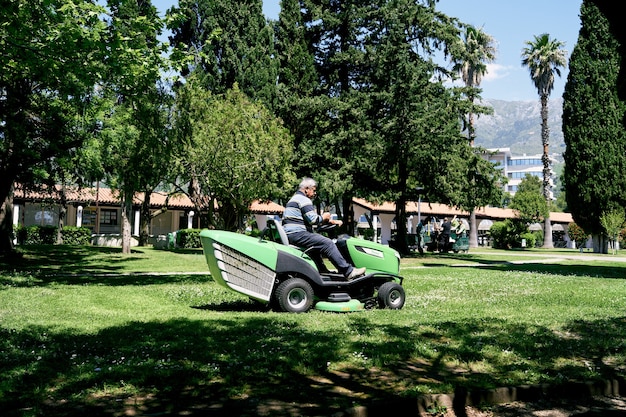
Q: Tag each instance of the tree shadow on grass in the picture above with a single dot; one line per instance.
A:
(271, 364)
(8, 281)
(40, 265)
(235, 306)
(50, 259)
(580, 270)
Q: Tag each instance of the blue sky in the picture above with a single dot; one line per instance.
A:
(511, 23)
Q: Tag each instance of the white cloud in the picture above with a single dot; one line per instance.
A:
(497, 72)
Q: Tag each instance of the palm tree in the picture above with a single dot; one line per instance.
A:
(477, 50)
(544, 57)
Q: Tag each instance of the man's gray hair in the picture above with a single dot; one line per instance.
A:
(307, 183)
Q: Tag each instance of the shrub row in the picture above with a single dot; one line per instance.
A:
(47, 235)
(72, 235)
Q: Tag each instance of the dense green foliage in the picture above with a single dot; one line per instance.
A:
(528, 202)
(577, 234)
(73, 235)
(530, 207)
(230, 42)
(593, 124)
(233, 151)
(46, 235)
(36, 235)
(376, 123)
(613, 223)
(188, 239)
(355, 84)
(52, 56)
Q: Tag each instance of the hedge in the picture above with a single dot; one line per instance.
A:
(73, 235)
(188, 239)
(47, 235)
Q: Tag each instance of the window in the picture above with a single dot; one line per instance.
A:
(522, 175)
(108, 217)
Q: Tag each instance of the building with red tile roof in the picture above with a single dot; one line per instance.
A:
(98, 208)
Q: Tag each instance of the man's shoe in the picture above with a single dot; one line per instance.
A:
(356, 272)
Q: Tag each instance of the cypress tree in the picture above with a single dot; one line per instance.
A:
(229, 41)
(593, 126)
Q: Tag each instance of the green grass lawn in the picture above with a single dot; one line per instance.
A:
(89, 331)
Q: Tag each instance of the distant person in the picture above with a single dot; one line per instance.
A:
(420, 235)
(444, 237)
(298, 221)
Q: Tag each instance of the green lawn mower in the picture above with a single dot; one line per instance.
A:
(270, 270)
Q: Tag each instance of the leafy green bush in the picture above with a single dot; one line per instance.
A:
(36, 235)
(539, 237)
(531, 239)
(508, 234)
(47, 235)
(498, 233)
(73, 235)
(188, 239)
(577, 234)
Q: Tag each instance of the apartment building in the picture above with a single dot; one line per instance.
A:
(515, 168)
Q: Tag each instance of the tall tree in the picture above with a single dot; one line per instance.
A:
(593, 125)
(416, 120)
(528, 204)
(476, 50)
(544, 58)
(230, 41)
(134, 131)
(299, 104)
(332, 149)
(52, 56)
(234, 152)
(470, 62)
(613, 223)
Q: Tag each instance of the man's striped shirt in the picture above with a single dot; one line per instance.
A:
(300, 214)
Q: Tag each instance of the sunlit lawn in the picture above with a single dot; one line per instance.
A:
(89, 331)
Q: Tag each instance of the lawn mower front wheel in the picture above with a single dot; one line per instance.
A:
(294, 295)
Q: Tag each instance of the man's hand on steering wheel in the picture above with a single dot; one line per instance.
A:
(327, 219)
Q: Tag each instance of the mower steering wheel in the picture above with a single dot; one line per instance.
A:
(326, 227)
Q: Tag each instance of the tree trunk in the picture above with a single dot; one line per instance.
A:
(144, 219)
(349, 223)
(401, 236)
(62, 214)
(545, 158)
(473, 232)
(547, 233)
(127, 206)
(6, 223)
(471, 132)
(600, 244)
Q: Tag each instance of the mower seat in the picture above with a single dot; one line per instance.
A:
(277, 231)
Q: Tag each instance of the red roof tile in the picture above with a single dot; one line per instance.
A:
(107, 196)
(436, 209)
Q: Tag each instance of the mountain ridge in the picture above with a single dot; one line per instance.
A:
(517, 125)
